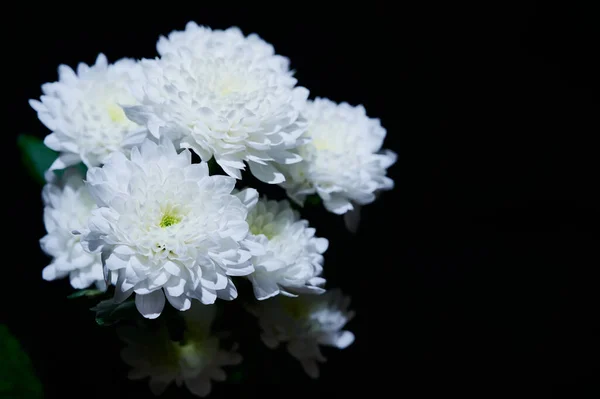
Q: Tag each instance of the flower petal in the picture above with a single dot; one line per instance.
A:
(266, 173)
(150, 305)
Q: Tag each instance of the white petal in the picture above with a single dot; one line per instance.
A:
(223, 184)
(181, 302)
(218, 374)
(228, 293)
(198, 386)
(240, 270)
(352, 219)
(271, 264)
(264, 287)
(175, 286)
(64, 161)
(136, 114)
(204, 295)
(50, 273)
(266, 173)
(286, 157)
(321, 244)
(340, 339)
(158, 387)
(269, 341)
(172, 268)
(114, 262)
(150, 305)
(338, 205)
(255, 247)
(124, 250)
(249, 197)
(52, 142)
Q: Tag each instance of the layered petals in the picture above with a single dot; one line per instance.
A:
(292, 260)
(67, 208)
(342, 159)
(165, 227)
(84, 112)
(225, 96)
(195, 362)
(305, 323)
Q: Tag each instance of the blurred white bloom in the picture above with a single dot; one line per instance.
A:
(164, 224)
(293, 260)
(83, 111)
(202, 39)
(343, 162)
(195, 361)
(67, 207)
(304, 323)
(213, 93)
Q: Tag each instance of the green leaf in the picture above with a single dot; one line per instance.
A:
(36, 157)
(313, 200)
(87, 293)
(108, 312)
(17, 377)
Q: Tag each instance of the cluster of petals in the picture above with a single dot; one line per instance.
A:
(292, 260)
(152, 220)
(195, 361)
(211, 92)
(67, 207)
(304, 323)
(84, 111)
(342, 161)
(165, 228)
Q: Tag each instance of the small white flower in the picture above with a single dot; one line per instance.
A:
(67, 207)
(195, 361)
(293, 260)
(164, 224)
(343, 162)
(83, 111)
(219, 98)
(201, 39)
(304, 323)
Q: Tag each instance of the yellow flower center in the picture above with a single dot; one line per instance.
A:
(169, 219)
(267, 230)
(116, 113)
(322, 144)
(190, 353)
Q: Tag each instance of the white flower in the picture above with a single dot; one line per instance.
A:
(67, 207)
(164, 224)
(200, 39)
(304, 323)
(83, 111)
(342, 163)
(292, 262)
(223, 101)
(195, 361)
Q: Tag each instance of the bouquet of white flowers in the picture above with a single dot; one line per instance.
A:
(149, 206)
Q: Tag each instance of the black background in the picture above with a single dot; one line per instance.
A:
(475, 276)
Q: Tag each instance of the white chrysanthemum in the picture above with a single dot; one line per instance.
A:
(164, 224)
(83, 111)
(304, 323)
(343, 162)
(194, 362)
(200, 39)
(230, 104)
(67, 207)
(293, 259)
